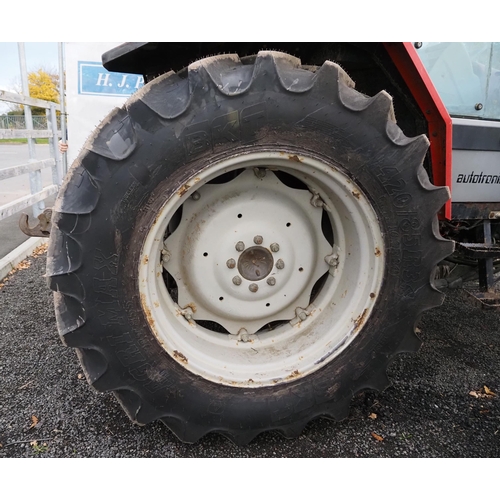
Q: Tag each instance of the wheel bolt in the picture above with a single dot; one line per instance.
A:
(237, 280)
(231, 263)
(259, 172)
(280, 264)
(274, 247)
(196, 196)
(253, 287)
(271, 281)
(243, 335)
(258, 240)
(240, 246)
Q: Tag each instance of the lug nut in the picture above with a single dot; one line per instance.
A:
(274, 247)
(280, 264)
(258, 240)
(240, 246)
(253, 287)
(237, 280)
(271, 281)
(231, 263)
(196, 196)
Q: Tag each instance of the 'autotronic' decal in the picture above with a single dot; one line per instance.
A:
(481, 178)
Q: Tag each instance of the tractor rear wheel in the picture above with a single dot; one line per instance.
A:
(244, 246)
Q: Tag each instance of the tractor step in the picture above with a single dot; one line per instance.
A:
(480, 250)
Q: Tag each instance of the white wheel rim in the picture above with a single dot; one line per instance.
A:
(217, 280)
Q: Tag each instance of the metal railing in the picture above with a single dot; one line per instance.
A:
(19, 122)
(34, 167)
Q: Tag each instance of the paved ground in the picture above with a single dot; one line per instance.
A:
(18, 154)
(15, 187)
(437, 406)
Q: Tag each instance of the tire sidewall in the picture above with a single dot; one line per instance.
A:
(167, 157)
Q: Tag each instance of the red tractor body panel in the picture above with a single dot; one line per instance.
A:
(405, 57)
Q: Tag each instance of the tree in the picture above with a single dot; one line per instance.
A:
(43, 84)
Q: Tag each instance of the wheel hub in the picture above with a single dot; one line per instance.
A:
(255, 263)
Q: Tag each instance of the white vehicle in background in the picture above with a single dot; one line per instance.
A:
(92, 91)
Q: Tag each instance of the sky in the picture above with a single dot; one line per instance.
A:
(38, 54)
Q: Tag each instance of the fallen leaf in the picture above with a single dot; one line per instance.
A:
(474, 393)
(33, 443)
(488, 391)
(373, 416)
(484, 411)
(34, 421)
(25, 264)
(40, 250)
(377, 437)
(417, 330)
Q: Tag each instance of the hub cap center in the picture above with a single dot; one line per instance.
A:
(255, 263)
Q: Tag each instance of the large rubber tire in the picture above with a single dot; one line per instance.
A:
(254, 119)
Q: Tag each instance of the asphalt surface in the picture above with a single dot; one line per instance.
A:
(438, 405)
(16, 187)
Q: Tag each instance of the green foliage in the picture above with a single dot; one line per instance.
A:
(23, 141)
(39, 448)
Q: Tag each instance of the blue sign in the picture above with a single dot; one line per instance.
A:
(94, 79)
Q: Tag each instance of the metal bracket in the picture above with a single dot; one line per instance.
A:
(41, 229)
(302, 314)
(188, 315)
(260, 173)
(318, 202)
(165, 255)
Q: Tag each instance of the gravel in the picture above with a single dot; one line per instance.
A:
(47, 409)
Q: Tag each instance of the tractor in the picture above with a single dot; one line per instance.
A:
(251, 239)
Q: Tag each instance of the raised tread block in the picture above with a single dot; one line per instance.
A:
(79, 193)
(115, 137)
(94, 365)
(68, 284)
(328, 81)
(70, 314)
(64, 255)
(168, 96)
(267, 68)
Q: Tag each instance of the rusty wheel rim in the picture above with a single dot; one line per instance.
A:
(268, 286)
